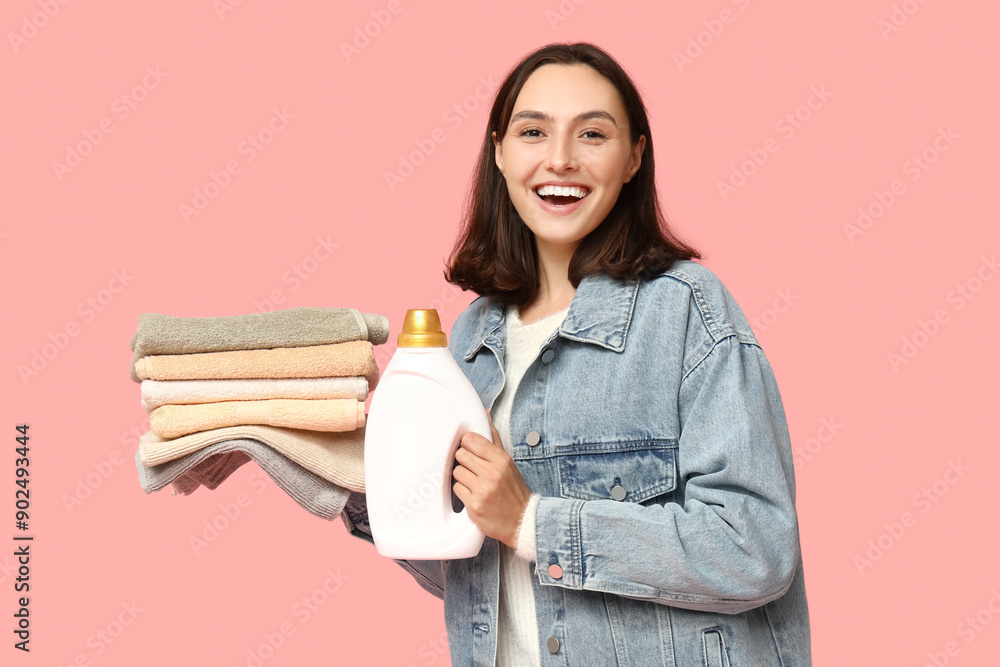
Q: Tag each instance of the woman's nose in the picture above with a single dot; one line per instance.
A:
(562, 154)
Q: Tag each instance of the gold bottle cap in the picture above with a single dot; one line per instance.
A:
(422, 328)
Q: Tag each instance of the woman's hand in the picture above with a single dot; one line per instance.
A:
(491, 486)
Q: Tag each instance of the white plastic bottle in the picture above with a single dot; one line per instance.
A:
(419, 412)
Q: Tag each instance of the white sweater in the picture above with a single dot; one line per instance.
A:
(517, 631)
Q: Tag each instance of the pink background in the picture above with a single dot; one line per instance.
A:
(830, 305)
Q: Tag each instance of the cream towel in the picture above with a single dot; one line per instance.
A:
(186, 392)
(213, 464)
(336, 457)
(338, 414)
(292, 327)
(338, 360)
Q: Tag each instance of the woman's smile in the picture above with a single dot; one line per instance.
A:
(559, 199)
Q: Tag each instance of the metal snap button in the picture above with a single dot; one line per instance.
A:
(618, 492)
(532, 438)
(552, 644)
(555, 571)
(548, 356)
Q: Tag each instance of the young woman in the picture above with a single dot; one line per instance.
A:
(638, 496)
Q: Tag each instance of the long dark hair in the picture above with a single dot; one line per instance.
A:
(495, 253)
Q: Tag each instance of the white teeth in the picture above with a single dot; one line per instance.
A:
(571, 191)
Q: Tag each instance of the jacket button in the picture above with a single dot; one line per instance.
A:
(548, 356)
(618, 492)
(532, 438)
(552, 644)
(555, 571)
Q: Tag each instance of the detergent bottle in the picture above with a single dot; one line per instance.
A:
(419, 412)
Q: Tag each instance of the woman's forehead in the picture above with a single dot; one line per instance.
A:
(568, 91)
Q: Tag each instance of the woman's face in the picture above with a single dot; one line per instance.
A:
(566, 153)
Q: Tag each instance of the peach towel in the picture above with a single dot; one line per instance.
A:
(338, 414)
(314, 361)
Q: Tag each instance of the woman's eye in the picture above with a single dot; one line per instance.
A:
(594, 134)
(530, 132)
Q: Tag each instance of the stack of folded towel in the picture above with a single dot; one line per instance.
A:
(285, 389)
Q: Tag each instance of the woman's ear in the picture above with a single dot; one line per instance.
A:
(497, 151)
(636, 161)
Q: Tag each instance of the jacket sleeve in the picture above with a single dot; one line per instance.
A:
(729, 542)
(428, 573)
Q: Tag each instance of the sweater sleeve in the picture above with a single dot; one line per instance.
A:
(526, 531)
(729, 542)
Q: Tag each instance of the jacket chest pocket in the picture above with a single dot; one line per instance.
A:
(624, 471)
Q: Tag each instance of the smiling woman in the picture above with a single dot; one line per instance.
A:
(566, 154)
(638, 495)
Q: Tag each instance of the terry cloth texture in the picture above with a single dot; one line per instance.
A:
(315, 494)
(186, 392)
(338, 414)
(336, 457)
(292, 327)
(211, 472)
(356, 358)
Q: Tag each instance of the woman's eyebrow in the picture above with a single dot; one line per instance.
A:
(586, 115)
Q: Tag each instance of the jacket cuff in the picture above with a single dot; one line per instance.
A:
(355, 517)
(558, 521)
(526, 532)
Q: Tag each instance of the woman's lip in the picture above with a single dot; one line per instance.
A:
(565, 209)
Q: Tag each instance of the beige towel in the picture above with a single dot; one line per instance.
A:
(339, 414)
(292, 327)
(336, 457)
(337, 360)
(186, 392)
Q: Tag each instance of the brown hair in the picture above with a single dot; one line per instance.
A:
(495, 253)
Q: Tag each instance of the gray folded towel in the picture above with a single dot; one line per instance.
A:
(211, 472)
(292, 327)
(211, 465)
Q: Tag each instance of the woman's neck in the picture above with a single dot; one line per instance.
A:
(555, 291)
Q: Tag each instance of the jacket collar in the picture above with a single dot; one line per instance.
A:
(600, 313)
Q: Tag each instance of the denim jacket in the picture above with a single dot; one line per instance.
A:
(656, 436)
